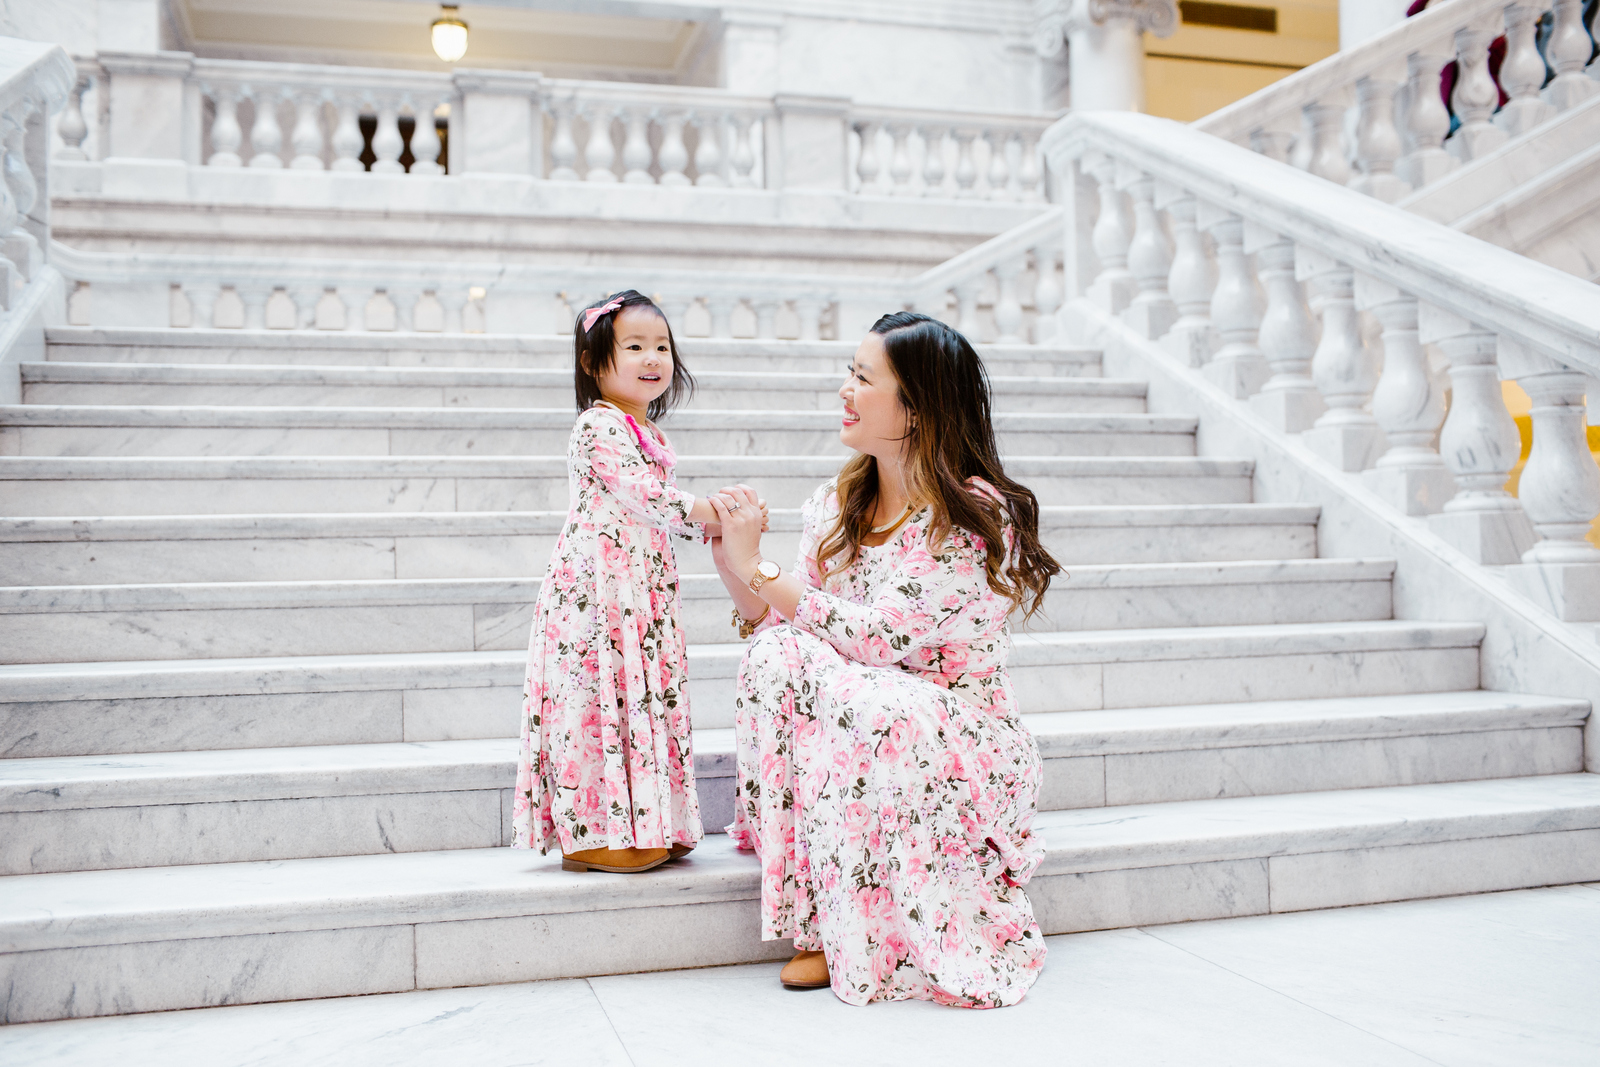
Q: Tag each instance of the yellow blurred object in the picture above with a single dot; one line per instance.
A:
(1520, 404)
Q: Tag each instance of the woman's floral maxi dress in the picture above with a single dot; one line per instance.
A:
(606, 757)
(885, 780)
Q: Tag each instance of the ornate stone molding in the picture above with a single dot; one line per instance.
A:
(1055, 19)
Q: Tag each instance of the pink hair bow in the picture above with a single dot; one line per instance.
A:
(593, 314)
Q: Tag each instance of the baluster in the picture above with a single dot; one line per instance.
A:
(867, 158)
(453, 298)
(1047, 292)
(307, 136)
(226, 135)
(1427, 122)
(347, 140)
(1560, 493)
(1594, 34)
(1377, 139)
(1325, 124)
(932, 160)
(900, 159)
(254, 298)
(1408, 404)
(600, 153)
(16, 243)
(305, 299)
(387, 144)
(999, 176)
(1007, 306)
(808, 309)
(744, 157)
(354, 301)
(563, 146)
(1479, 443)
(425, 144)
(1274, 144)
(1238, 367)
(1288, 337)
(966, 170)
(266, 136)
(1475, 97)
(1344, 369)
(1522, 72)
(1029, 175)
(203, 303)
(721, 309)
(404, 298)
(1114, 287)
(967, 307)
(1191, 282)
(72, 127)
(674, 155)
(766, 318)
(1152, 312)
(636, 147)
(708, 152)
(1568, 51)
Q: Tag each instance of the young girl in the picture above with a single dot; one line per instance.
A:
(607, 769)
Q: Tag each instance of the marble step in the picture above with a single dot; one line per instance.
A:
(51, 430)
(71, 623)
(90, 708)
(84, 344)
(498, 387)
(107, 942)
(281, 548)
(161, 809)
(229, 485)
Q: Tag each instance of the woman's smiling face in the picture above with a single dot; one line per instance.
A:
(641, 361)
(874, 420)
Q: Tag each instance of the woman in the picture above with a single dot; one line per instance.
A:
(885, 779)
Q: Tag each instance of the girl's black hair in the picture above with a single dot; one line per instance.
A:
(594, 351)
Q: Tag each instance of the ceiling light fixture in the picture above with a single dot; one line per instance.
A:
(449, 34)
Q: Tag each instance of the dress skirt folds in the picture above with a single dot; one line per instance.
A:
(885, 780)
(606, 758)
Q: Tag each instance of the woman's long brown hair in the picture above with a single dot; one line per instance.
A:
(950, 438)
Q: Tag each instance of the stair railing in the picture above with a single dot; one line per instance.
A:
(912, 152)
(1373, 407)
(1377, 117)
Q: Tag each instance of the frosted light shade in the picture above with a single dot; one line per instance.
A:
(449, 39)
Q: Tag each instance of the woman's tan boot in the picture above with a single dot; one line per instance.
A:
(614, 860)
(808, 970)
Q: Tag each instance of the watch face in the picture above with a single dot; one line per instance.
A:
(768, 569)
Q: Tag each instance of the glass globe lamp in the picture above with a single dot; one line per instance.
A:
(449, 35)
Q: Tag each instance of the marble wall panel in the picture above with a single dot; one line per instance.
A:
(67, 637)
(529, 948)
(93, 839)
(222, 560)
(77, 983)
(1433, 869)
(197, 441)
(462, 714)
(1293, 677)
(183, 724)
(1183, 892)
(1073, 782)
(1262, 770)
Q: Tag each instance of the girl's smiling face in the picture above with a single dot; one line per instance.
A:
(875, 421)
(641, 361)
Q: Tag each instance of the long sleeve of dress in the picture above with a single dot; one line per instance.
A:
(608, 447)
(928, 590)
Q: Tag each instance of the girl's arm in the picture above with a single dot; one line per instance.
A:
(805, 572)
(607, 447)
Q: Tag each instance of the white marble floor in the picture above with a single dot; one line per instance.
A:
(1497, 979)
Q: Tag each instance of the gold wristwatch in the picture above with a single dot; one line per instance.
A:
(766, 570)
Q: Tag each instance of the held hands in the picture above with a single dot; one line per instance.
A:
(743, 518)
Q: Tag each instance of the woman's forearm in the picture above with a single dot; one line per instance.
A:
(749, 604)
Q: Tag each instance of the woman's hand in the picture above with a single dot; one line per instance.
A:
(742, 517)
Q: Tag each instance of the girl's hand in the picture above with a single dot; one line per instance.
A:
(766, 524)
(739, 512)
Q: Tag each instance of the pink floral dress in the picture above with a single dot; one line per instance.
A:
(885, 779)
(607, 759)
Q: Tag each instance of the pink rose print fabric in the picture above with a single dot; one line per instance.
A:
(607, 759)
(885, 780)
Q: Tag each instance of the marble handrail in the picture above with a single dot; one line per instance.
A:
(1369, 408)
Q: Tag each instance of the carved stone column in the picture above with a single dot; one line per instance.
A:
(1105, 39)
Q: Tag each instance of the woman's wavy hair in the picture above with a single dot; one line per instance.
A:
(594, 351)
(950, 438)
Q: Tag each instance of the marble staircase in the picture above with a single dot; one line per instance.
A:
(263, 596)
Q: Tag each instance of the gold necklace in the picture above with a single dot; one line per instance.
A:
(898, 519)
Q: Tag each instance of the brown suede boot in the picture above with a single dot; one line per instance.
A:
(680, 851)
(614, 860)
(808, 970)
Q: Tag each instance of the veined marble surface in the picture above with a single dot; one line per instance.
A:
(1479, 981)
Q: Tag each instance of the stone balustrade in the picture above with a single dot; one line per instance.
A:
(1397, 113)
(902, 152)
(1449, 313)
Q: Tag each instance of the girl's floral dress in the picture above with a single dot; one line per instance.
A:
(885, 779)
(606, 757)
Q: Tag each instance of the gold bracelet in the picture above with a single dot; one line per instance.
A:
(746, 627)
